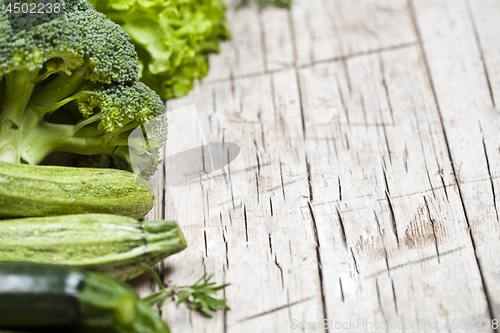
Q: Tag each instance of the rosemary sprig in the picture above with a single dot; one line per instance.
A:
(198, 296)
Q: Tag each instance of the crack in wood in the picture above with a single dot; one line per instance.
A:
(341, 290)
(383, 241)
(405, 158)
(313, 224)
(415, 262)
(361, 54)
(312, 64)
(356, 266)
(430, 182)
(480, 49)
(229, 176)
(259, 115)
(431, 221)
(282, 184)
(225, 242)
(281, 271)
(206, 245)
(257, 183)
(386, 89)
(204, 266)
(489, 172)
(391, 208)
(421, 139)
(279, 308)
(318, 259)
(394, 297)
(246, 226)
(340, 189)
(309, 182)
(379, 301)
(440, 171)
(342, 228)
(270, 244)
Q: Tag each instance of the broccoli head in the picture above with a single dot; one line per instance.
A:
(70, 85)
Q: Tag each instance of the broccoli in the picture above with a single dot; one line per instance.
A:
(70, 85)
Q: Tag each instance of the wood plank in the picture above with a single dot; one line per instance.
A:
(244, 53)
(363, 172)
(261, 42)
(277, 35)
(484, 14)
(326, 30)
(465, 103)
(251, 231)
(388, 213)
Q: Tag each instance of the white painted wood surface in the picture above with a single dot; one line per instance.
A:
(367, 186)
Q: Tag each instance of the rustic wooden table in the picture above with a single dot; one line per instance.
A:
(366, 186)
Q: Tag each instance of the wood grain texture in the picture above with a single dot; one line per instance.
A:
(366, 188)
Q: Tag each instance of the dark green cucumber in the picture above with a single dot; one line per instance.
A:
(48, 293)
(33, 190)
(34, 296)
(111, 244)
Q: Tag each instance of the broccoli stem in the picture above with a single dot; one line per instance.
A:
(24, 107)
(28, 135)
(84, 138)
(59, 88)
(48, 138)
(18, 92)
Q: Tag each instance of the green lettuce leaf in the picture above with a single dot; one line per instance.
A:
(172, 38)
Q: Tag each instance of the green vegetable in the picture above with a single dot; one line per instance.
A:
(197, 296)
(172, 38)
(34, 190)
(110, 244)
(51, 297)
(70, 84)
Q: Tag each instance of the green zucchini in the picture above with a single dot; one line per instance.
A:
(65, 299)
(34, 190)
(111, 244)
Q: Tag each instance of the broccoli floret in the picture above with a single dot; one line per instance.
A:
(71, 85)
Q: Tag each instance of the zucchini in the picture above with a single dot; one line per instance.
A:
(65, 299)
(34, 190)
(111, 244)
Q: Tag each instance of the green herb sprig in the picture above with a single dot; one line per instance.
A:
(198, 296)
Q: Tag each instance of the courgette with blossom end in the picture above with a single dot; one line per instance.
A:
(33, 190)
(111, 244)
(65, 299)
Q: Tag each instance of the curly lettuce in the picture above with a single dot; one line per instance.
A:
(172, 37)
